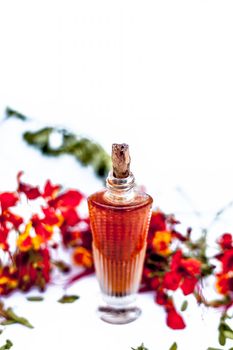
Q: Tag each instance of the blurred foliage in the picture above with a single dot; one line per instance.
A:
(12, 113)
(86, 151)
(7, 345)
(141, 347)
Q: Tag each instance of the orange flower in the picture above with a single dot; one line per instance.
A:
(83, 257)
(161, 242)
(224, 283)
(184, 273)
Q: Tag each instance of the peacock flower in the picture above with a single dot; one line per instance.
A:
(161, 242)
(184, 273)
(83, 257)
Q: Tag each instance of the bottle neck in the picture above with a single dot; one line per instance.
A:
(120, 190)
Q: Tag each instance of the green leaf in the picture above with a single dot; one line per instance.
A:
(225, 330)
(7, 322)
(35, 298)
(62, 266)
(12, 113)
(67, 299)
(228, 334)
(11, 316)
(221, 339)
(141, 347)
(173, 347)
(225, 327)
(39, 138)
(184, 306)
(214, 349)
(86, 151)
(8, 345)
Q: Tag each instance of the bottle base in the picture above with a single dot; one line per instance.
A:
(118, 315)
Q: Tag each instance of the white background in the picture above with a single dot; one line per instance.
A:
(155, 74)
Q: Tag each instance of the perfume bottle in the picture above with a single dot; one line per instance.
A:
(119, 218)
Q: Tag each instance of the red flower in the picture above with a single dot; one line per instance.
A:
(70, 238)
(225, 241)
(71, 198)
(172, 280)
(33, 268)
(155, 283)
(83, 257)
(161, 297)
(172, 220)
(8, 199)
(70, 216)
(8, 220)
(188, 285)
(191, 266)
(50, 191)
(14, 219)
(31, 259)
(158, 221)
(178, 235)
(4, 231)
(184, 273)
(8, 280)
(227, 260)
(86, 238)
(30, 191)
(42, 230)
(174, 320)
(50, 217)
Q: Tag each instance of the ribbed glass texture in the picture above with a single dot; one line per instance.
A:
(119, 244)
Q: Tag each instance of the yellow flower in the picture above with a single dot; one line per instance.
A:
(24, 241)
(4, 280)
(11, 283)
(161, 242)
(36, 242)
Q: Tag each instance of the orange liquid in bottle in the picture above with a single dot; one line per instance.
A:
(119, 242)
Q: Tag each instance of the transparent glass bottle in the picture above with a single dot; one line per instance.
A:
(119, 218)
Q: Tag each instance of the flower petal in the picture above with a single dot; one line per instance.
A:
(50, 191)
(174, 320)
(188, 284)
(171, 280)
(8, 199)
(83, 257)
(30, 191)
(71, 198)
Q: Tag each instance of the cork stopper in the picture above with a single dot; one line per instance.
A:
(120, 160)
